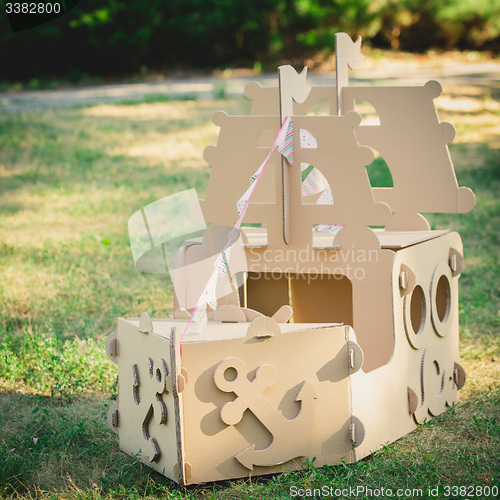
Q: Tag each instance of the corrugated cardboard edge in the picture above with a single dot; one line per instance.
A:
(181, 471)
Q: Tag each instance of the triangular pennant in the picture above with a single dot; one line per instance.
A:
(285, 140)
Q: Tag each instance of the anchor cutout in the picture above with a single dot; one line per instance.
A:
(290, 437)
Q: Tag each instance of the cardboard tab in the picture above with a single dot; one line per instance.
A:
(112, 346)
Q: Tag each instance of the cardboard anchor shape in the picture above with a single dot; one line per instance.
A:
(231, 376)
(249, 396)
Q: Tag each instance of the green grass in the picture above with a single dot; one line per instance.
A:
(69, 181)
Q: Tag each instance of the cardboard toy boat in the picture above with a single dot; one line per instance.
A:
(330, 338)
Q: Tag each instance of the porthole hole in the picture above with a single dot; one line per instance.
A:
(443, 298)
(417, 309)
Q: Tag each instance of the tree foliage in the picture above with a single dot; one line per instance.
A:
(112, 36)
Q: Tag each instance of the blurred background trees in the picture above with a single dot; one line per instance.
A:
(116, 37)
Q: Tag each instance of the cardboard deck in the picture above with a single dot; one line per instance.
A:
(330, 337)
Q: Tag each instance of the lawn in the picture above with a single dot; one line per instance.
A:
(69, 180)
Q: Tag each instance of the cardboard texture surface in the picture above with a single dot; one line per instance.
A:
(146, 415)
(371, 348)
(415, 150)
(286, 402)
(425, 347)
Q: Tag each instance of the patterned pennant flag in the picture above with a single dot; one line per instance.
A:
(315, 182)
(285, 140)
(307, 140)
(242, 203)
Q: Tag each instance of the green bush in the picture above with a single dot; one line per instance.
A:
(112, 37)
(417, 25)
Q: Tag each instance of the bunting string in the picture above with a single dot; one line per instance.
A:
(198, 319)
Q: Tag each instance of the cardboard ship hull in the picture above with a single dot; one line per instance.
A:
(373, 347)
(258, 397)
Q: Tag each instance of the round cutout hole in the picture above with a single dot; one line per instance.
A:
(443, 294)
(230, 374)
(417, 309)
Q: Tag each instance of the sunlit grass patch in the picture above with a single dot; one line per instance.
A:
(67, 196)
(59, 446)
(39, 363)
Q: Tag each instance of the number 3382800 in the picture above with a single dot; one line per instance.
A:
(32, 8)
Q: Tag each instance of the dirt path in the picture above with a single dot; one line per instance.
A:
(483, 75)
